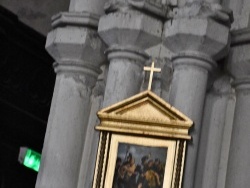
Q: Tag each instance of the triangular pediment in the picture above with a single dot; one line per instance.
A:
(143, 112)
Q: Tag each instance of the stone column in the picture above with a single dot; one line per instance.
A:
(78, 52)
(226, 139)
(198, 35)
(92, 137)
(217, 104)
(239, 65)
(128, 31)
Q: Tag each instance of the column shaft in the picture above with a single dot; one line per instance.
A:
(78, 52)
(239, 162)
(63, 142)
(129, 29)
(214, 120)
(188, 91)
(92, 137)
(198, 39)
(124, 80)
(187, 94)
(239, 66)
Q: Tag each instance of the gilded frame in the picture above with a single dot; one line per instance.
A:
(116, 139)
(146, 120)
(107, 153)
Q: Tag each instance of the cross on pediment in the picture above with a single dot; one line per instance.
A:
(152, 69)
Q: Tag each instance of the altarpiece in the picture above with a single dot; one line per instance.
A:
(142, 141)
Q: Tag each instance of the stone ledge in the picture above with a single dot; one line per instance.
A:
(76, 19)
(241, 36)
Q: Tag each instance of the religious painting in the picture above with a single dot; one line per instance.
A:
(142, 144)
(139, 162)
(139, 166)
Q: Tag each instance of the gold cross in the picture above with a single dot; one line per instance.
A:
(152, 69)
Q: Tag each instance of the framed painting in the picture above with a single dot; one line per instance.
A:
(140, 162)
(142, 144)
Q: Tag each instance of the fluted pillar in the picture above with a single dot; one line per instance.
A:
(78, 52)
(128, 30)
(238, 174)
(198, 38)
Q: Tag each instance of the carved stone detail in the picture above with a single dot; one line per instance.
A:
(76, 49)
(155, 7)
(199, 27)
(131, 28)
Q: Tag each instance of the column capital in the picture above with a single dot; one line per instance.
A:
(199, 27)
(75, 44)
(130, 28)
(239, 59)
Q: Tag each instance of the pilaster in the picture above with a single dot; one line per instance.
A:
(78, 52)
(92, 137)
(239, 66)
(129, 27)
(218, 105)
(199, 35)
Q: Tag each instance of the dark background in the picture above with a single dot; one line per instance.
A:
(26, 88)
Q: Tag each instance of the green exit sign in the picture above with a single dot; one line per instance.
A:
(29, 158)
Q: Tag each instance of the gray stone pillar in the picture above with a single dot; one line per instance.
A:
(218, 101)
(78, 52)
(128, 31)
(124, 76)
(225, 145)
(198, 38)
(239, 161)
(92, 137)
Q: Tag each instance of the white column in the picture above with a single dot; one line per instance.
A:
(78, 52)
(239, 156)
(92, 137)
(213, 125)
(225, 145)
(128, 32)
(198, 40)
(124, 75)
(188, 91)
